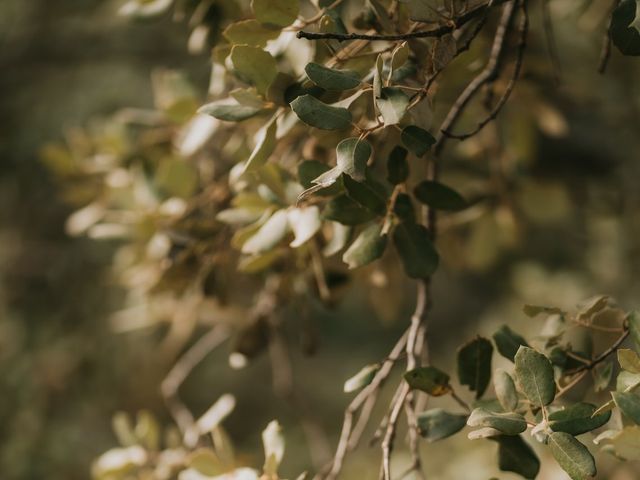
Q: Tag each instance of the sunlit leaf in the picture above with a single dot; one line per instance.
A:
(352, 155)
(269, 234)
(507, 423)
(362, 378)
(254, 65)
(629, 360)
(305, 223)
(250, 32)
(392, 105)
(629, 405)
(276, 12)
(572, 456)
(505, 390)
(273, 442)
(230, 112)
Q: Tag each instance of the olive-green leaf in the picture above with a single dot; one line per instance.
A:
(332, 79)
(392, 105)
(507, 423)
(535, 376)
(417, 140)
(276, 12)
(624, 28)
(269, 234)
(265, 147)
(320, 115)
(403, 208)
(255, 66)
(474, 365)
(352, 155)
(508, 342)
(439, 196)
(505, 390)
(602, 375)
(431, 380)
(362, 378)
(230, 112)
(365, 194)
(535, 310)
(250, 32)
(572, 456)
(577, 419)
(346, 211)
(397, 165)
(367, 247)
(629, 404)
(310, 171)
(629, 360)
(413, 243)
(515, 455)
(436, 424)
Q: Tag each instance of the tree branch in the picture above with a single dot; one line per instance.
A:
(440, 31)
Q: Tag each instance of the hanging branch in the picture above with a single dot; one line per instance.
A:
(454, 24)
(523, 29)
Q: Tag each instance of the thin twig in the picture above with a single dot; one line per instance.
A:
(605, 53)
(179, 373)
(523, 29)
(454, 24)
(488, 74)
(600, 358)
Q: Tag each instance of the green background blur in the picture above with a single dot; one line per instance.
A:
(63, 373)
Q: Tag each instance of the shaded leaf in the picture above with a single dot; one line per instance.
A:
(403, 208)
(474, 365)
(508, 342)
(429, 380)
(515, 455)
(365, 194)
(346, 211)
(417, 140)
(397, 166)
(436, 424)
(534, 310)
(276, 12)
(264, 148)
(507, 423)
(577, 419)
(633, 320)
(332, 79)
(352, 155)
(320, 115)
(413, 243)
(437, 195)
(366, 248)
(505, 390)
(392, 105)
(624, 28)
(572, 456)
(535, 376)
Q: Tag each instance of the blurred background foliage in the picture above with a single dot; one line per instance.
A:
(69, 355)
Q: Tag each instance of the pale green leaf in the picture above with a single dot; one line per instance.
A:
(269, 234)
(230, 112)
(264, 148)
(352, 155)
(629, 360)
(362, 378)
(255, 66)
(572, 456)
(392, 104)
(629, 405)
(507, 423)
(505, 390)
(535, 376)
(276, 12)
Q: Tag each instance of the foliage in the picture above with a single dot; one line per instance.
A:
(309, 157)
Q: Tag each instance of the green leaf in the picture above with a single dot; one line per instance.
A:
(633, 320)
(413, 243)
(362, 378)
(399, 57)
(602, 376)
(627, 443)
(629, 404)
(624, 30)
(365, 194)
(377, 77)
(264, 148)
(269, 234)
(439, 196)
(392, 104)
(320, 115)
(352, 155)
(417, 140)
(535, 376)
(276, 12)
(230, 112)
(629, 360)
(403, 208)
(309, 173)
(255, 66)
(474, 365)
(250, 32)
(145, 8)
(206, 462)
(535, 310)
(505, 390)
(507, 423)
(436, 424)
(515, 455)
(366, 248)
(397, 166)
(344, 210)
(572, 456)
(429, 380)
(339, 238)
(577, 419)
(627, 381)
(332, 79)
(508, 342)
